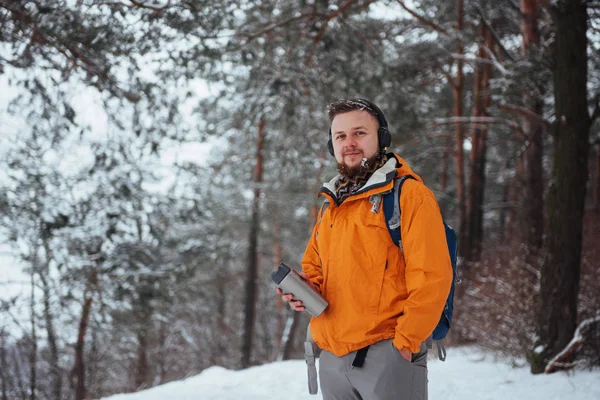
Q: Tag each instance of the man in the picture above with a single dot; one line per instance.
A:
(384, 301)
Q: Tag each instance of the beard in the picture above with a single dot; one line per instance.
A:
(350, 172)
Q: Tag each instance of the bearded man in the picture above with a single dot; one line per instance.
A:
(384, 300)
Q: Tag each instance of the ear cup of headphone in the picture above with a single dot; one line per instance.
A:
(330, 144)
(385, 139)
(330, 147)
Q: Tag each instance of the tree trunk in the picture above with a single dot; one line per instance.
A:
(289, 343)
(162, 353)
(457, 92)
(597, 180)
(33, 354)
(79, 369)
(55, 371)
(529, 25)
(44, 274)
(277, 258)
(459, 161)
(505, 211)
(93, 384)
(223, 332)
(143, 367)
(444, 172)
(566, 198)
(3, 366)
(252, 272)
(444, 178)
(17, 362)
(316, 206)
(481, 95)
(517, 186)
(532, 201)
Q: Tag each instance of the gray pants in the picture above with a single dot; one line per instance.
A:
(385, 375)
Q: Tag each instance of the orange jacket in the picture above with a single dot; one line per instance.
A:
(374, 291)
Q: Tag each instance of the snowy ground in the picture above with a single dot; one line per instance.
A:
(468, 373)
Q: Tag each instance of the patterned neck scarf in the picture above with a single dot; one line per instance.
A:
(349, 184)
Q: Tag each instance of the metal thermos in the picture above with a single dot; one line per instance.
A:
(289, 281)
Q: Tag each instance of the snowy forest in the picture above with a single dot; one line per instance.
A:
(159, 158)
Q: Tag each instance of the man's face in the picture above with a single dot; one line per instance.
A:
(354, 136)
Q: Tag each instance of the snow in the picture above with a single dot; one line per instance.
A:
(468, 373)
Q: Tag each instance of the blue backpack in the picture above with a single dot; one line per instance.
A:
(391, 211)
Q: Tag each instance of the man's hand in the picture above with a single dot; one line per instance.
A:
(405, 353)
(289, 297)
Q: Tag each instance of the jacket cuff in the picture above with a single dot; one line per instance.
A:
(401, 342)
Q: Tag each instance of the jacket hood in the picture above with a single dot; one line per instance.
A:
(394, 167)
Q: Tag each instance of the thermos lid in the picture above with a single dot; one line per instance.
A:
(280, 274)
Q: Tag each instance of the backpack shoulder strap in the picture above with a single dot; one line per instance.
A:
(391, 209)
(322, 211)
(320, 216)
(310, 354)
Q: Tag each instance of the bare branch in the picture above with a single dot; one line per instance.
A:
(15, 320)
(494, 33)
(525, 113)
(77, 57)
(372, 48)
(143, 5)
(14, 283)
(476, 121)
(524, 147)
(448, 77)
(137, 4)
(422, 19)
(318, 39)
(269, 28)
(513, 5)
(330, 17)
(429, 152)
(494, 60)
(480, 60)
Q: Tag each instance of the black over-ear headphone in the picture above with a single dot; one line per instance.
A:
(383, 135)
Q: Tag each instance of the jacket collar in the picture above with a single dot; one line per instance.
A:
(380, 178)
